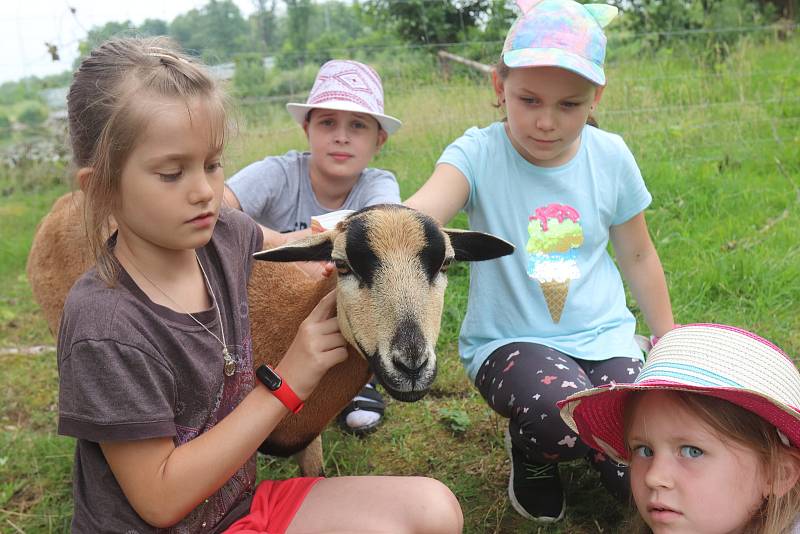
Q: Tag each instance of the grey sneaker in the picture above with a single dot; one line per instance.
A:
(534, 489)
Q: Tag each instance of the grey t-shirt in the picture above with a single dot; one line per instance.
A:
(277, 193)
(131, 369)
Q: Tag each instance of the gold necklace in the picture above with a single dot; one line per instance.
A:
(229, 367)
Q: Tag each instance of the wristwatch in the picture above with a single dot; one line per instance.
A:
(274, 382)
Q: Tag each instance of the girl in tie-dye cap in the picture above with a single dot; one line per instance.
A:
(551, 319)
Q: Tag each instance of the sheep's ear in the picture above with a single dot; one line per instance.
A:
(316, 247)
(477, 246)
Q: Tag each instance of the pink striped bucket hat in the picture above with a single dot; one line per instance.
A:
(347, 86)
(707, 359)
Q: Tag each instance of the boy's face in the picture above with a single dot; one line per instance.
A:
(684, 478)
(547, 108)
(342, 143)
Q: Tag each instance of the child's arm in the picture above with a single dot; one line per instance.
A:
(640, 266)
(445, 192)
(271, 237)
(164, 483)
(315, 269)
(229, 198)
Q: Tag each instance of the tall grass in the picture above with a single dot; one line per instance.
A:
(719, 147)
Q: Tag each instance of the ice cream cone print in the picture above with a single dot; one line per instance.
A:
(555, 295)
(555, 234)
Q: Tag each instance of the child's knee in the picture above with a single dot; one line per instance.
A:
(442, 511)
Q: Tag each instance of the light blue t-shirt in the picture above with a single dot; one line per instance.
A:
(560, 288)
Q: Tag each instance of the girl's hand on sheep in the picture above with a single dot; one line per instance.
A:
(318, 270)
(317, 347)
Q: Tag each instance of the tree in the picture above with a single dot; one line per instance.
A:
(5, 125)
(499, 21)
(250, 78)
(216, 32)
(423, 21)
(299, 15)
(99, 34)
(655, 20)
(153, 27)
(32, 114)
(266, 24)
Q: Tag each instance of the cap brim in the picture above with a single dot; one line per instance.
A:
(554, 57)
(300, 111)
(597, 414)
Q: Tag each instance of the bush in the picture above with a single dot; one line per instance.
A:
(710, 25)
(32, 114)
(5, 125)
(250, 77)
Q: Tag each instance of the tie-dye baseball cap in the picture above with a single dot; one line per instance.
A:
(560, 33)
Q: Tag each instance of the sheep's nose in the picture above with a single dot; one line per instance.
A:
(409, 350)
(412, 372)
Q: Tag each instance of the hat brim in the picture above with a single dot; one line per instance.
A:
(555, 57)
(597, 414)
(300, 111)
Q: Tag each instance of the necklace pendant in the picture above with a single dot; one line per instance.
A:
(230, 365)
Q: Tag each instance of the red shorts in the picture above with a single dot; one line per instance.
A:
(275, 504)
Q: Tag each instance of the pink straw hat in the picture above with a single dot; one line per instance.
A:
(707, 359)
(347, 86)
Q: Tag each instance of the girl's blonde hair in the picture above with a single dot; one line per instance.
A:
(733, 423)
(107, 112)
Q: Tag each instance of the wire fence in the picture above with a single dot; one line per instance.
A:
(613, 36)
(666, 114)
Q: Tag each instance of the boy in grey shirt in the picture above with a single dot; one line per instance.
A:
(278, 193)
(345, 126)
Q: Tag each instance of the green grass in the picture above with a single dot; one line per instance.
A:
(719, 148)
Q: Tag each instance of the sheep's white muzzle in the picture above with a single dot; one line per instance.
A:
(406, 376)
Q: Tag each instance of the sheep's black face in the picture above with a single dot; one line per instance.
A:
(392, 263)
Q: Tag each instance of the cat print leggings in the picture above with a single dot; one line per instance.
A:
(523, 382)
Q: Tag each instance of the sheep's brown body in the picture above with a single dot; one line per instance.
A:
(392, 264)
(280, 296)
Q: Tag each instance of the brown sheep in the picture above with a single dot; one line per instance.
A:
(391, 264)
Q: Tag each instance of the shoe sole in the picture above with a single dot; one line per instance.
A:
(515, 503)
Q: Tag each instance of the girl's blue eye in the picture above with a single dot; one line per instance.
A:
(213, 166)
(528, 100)
(570, 104)
(358, 125)
(643, 451)
(688, 451)
(326, 122)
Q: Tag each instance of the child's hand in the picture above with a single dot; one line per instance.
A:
(655, 339)
(318, 270)
(317, 347)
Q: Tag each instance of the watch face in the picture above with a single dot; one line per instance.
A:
(269, 377)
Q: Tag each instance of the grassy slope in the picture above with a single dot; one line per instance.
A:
(720, 152)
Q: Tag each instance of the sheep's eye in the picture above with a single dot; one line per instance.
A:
(445, 265)
(342, 267)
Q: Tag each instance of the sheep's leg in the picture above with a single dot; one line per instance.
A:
(310, 459)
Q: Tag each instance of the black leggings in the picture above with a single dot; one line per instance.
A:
(523, 382)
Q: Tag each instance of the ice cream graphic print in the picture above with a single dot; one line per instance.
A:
(554, 237)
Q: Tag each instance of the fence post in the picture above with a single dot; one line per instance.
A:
(446, 57)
